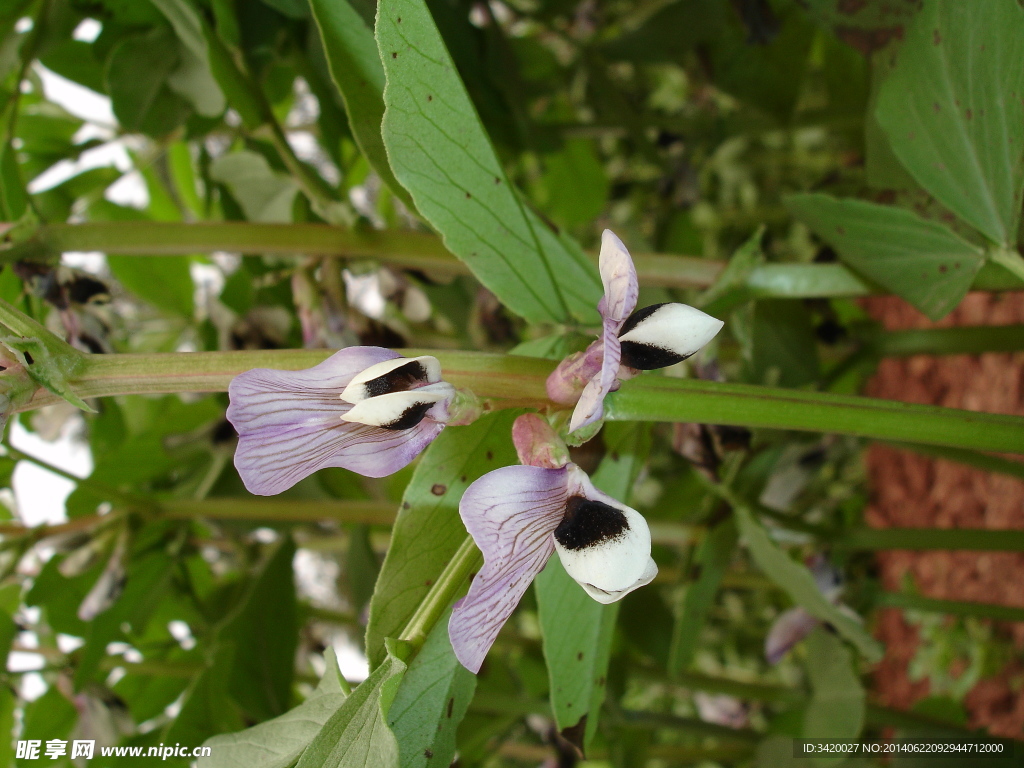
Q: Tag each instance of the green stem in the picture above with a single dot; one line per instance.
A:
(660, 398)
(953, 607)
(976, 539)
(950, 341)
(105, 492)
(421, 251)
(1009, 259)
(281, 510)
(519, 381)
(466, 560)
(974, 459)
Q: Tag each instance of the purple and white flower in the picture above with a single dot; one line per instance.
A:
(365, 409)
(793, 625)
(518, 516)
(653, 337)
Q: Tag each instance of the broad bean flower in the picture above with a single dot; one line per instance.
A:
(793, 625)
(653, 337)
(365, 409)
(518, 516)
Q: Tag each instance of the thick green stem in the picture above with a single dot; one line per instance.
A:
(660, 398)
(466, 560)
(980, 540)
(421, 251)
(953, 607)
(519, 381)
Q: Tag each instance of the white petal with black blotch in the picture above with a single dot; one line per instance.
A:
(400, 410)
(511, 514)
(289, 425)
(664, 334)
(603, 544)
(397, 375)
(620, 293)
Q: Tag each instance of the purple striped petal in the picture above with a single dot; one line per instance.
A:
(511, 514)
(289, 425)
(787, 630)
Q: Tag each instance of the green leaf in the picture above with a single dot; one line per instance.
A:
(137, 73)
(576, 166)
(13, 200)
(265, 640)
(207, 708)
(440, 152)
(278, 743)
(953, 109)
(923, 261)
(264, 195)
(577, 630)
(51, 716)
(431, 702)
(163, 281)
(193, 78)
(356, 70)
(836, 708)
(357, 735)
(428, 530)
(712, 560)
(784, 347)
(798, 583)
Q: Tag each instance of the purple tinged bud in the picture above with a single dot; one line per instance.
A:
(537, 443)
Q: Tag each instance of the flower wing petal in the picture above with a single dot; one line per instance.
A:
(510, 513)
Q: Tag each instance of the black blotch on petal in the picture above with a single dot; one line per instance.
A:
(588, 523)
(410, 417)
(398, 380)
(645, 357)
(638, 317)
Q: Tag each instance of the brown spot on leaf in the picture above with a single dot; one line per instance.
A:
(438, 489)
(468, 195)
(936, 107)
(462, 479)
(943, 268)
(394, 54)
(426, 752)
(969, 114)
(451, 704)
(428, 582)
(840, 230)
(430, 97)
(490, 455)
(579, 656)
(406, 505)
(497, 180)
(936, 37)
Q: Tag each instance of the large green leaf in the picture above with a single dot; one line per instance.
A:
(265, 195)
(576, 629)
(357, 735)
(431, 702)
(163, 281)
(441, 153)
(428, 529)
(713, 559)
(836, 709)
(355, 66)
(278, 743)
(193, 78)
(784, 350)
(798, 583)
(136, 76)
(953, 108)
(923, 261)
